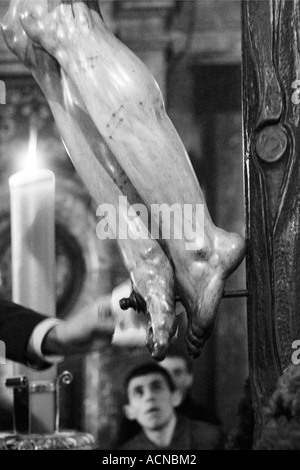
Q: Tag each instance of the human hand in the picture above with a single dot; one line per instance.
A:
(82, 333)
(103, 320)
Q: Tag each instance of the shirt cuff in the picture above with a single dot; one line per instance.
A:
(37, 338)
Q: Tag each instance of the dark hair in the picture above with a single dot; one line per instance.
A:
(149, 368)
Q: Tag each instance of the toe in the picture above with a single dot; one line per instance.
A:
(193, 350)
(158, 343)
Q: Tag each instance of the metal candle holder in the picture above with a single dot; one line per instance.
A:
(28, 433)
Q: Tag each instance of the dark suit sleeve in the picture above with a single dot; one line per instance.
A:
(16, 326)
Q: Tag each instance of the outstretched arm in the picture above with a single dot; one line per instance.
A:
(34, 339)
(82, 333)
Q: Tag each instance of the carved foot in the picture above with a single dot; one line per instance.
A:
(154, 282)
(202, 284)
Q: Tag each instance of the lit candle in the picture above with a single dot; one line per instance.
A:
(32, 199)
(32, 235)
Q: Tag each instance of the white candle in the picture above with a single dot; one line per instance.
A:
(32, 201)
(32, 196)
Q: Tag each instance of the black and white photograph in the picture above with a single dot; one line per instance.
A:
(150, 227)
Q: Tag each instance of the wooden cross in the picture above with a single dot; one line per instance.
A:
(271, 109)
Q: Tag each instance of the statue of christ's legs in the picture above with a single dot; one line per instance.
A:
(125, 104)
(149, 267)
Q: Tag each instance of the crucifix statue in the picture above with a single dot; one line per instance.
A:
(112, 119)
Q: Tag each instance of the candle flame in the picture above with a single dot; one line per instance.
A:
(29, 158)
(32, 148)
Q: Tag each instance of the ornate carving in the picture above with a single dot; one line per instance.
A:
(58, 441)
(271, 119)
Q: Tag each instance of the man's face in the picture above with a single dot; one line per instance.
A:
(177, 368)
(151, 402)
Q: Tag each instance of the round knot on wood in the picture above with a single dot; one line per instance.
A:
(271, 143)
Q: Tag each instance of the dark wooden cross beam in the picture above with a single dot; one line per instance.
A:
(271, 110)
